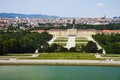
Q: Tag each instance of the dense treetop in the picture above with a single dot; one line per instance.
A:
(111, 43)
(22, 42)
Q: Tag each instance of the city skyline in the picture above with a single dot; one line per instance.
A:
(63, 8)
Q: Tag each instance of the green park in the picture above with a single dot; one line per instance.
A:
(22, 45)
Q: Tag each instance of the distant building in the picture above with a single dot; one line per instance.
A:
(109, 31)
(72, 32)
(39, 31)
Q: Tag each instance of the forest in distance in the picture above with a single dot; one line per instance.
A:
(48, 26)
(112, 26)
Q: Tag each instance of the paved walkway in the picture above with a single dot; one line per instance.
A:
(71, 42)
(35, 55)
(98, 56)
(52, 40)
(60, 62)
(99, 47)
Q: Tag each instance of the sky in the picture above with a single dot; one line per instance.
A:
(63, 8)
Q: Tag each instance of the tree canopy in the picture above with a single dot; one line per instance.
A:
(22, 42)
(111, 43)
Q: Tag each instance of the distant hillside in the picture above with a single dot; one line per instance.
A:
(13, 15)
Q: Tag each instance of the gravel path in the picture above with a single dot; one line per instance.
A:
(52, 40)
(35, 55)
(60, 62)
(71, 42)
(99, 47)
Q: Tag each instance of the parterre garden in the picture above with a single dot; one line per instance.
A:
(61, 41)
(78, 41)
(81, 41)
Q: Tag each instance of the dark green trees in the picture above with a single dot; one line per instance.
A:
(111, 42)
(72, 49)
(91, 47)
(111, 26)
(45, 48)
(1, 48)
(22, 42)
(11, 46)
(58, 48)
(113, 48)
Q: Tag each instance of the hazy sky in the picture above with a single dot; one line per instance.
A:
(63, 8)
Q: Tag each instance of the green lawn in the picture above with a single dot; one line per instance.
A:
(60, 40)
(7, 56)
(18, 55)
(110, 55)
(81, 40)
(67, 56)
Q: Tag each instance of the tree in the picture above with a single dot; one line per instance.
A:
(45, 48)
(83, 48)
(72, 49)
(58, 48)
(64, 49)
(100, 51)
(22, 41)
(11, 28)
(91, 47)
(12, 46)
(15, 46)
(1, 49)
(54, 47)
(113, 48)
(110, 42)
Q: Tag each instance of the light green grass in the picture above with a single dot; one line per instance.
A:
(82, 56)
(7, 56)
(66, 56)
(81, 40)
(61, 38)
(110, 55)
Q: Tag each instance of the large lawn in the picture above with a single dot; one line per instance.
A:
(65, 55)
(110, 55)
